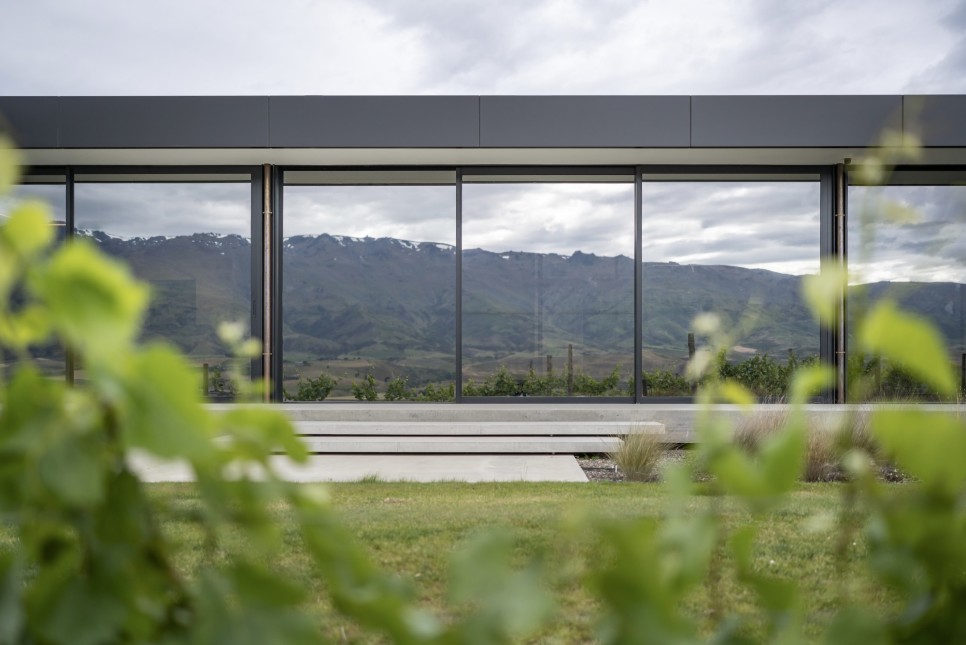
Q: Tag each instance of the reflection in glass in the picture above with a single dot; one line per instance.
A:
(192, 243)
(548, 289)
(908, 244)
(368, 296)
(50, 358)
(737, 249)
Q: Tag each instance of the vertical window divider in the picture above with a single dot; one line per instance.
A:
(275, 286)
(257, 274)
(69, 226)
(458, 395)
(638, 286)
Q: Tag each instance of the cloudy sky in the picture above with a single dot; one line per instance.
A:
(64, 47)
(121, 47)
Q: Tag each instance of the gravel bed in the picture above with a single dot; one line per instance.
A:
(600, 468)
(603, 469)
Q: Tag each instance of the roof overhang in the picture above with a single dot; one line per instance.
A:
(480, 130)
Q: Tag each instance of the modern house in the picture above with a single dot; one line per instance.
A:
(480, 247)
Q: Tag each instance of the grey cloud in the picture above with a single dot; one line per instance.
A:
(475, 44)
(53, 195)
(145, 210)
(949, 73)
(416, 213)
(931, 248)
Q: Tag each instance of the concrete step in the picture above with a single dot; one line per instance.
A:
(397, 467)
(476, 428)
(461, 445)
(468, 412)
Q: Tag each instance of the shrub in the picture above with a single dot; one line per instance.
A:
(437, 393)
(639, 456)
(366, 390)
(396, 390)
(666, 383)
(504, 384)
(585, 384)
(313, 389)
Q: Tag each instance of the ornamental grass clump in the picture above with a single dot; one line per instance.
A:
(753, 430)
(823, 456)
(639, 456)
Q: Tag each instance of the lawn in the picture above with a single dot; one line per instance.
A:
(412, 529)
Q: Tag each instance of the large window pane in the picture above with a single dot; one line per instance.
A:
(907, 243)
(737, 249)
(192, 243)
(49, 358)
(369, 283)
(548, 288)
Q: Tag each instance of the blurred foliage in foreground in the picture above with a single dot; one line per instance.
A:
(90, 563)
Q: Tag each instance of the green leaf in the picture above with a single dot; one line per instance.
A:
(810, 381)
(28, 230)
(9, 165)
(82, 614)
(30, 326)
(855, 625)
(781, 458)
(823, 292)
(11, 589)
(94, 302)
(686, 544)
(909, 341)
(260, 586)
(638, 606)
(778, 597)
(929, 446)
(260, 431)
(73, 469)
(509, 602)
(163, 412)
(736, 393)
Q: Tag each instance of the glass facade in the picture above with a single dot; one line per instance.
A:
(907, 243)
(738, 249)
(405, 284)
(548, 287)
(369, 286)
(191, 241)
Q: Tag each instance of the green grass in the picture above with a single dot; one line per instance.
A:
(411, 529)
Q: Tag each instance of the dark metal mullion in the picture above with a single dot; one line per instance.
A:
(278, 181)
(638, 286)
(827, 250)
(69, 231)
(256, 285)
(842, 179)
(459, 286)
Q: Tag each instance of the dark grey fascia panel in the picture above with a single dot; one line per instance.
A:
(585, 122)
(938, 120)
(30, 120)
(374, 121)
(792, 121)
(164, 122)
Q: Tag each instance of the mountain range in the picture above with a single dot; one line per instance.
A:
(394, 300)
